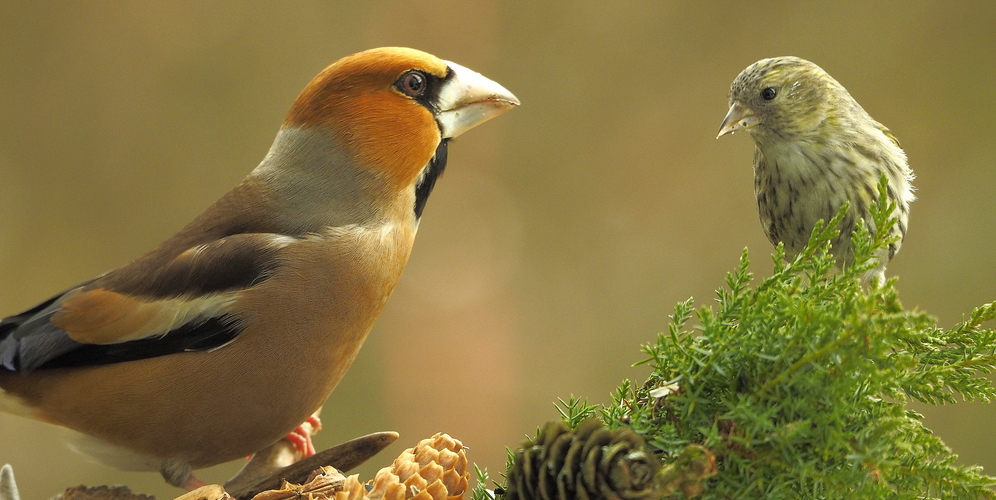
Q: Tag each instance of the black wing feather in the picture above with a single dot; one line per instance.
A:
(204, 336)
(29, 341)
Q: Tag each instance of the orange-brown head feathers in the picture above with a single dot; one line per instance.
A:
(388, 107)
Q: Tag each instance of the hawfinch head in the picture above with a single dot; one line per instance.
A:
(392, 107)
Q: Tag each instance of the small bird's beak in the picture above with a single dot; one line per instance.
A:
(468, 99)
(739, 118)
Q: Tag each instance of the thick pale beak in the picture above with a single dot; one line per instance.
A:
(468, 99)
(739, 118)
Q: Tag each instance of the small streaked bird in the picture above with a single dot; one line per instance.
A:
(816, 148)
(231, 333)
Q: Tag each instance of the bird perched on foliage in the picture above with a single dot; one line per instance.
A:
(816, 148)
(228, 335)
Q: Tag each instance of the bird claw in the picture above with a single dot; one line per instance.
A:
(301, 436)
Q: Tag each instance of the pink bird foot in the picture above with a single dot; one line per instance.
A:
(301, 436)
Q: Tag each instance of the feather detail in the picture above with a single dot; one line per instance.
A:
(388, 132)
(105, 317)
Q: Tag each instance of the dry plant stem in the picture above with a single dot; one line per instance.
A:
(344, 457)
(209, 492)
(323, 484)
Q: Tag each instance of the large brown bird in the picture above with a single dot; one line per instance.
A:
(229, 334)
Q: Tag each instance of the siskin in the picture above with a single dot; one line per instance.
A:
(816, 148)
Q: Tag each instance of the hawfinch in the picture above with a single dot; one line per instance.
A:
(229, 334)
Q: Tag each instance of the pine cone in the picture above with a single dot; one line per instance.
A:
(588, 463)
(434, 469)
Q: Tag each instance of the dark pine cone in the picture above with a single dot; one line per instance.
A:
(588, 463)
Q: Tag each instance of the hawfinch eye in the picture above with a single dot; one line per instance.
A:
(412, 84)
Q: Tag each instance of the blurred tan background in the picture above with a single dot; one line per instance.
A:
(562, 233)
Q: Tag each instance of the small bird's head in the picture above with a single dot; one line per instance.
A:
(391, 108)
(781, 97)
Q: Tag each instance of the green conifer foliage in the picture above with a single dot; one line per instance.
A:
(797, 385)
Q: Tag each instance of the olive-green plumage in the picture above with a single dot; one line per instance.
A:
(816, 148)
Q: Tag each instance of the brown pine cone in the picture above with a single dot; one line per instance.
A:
(588, 463)
(434, 469)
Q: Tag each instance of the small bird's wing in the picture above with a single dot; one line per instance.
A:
(888, 133)
(151, 307)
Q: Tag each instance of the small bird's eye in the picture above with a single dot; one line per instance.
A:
(769, 93)
(412, 83)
